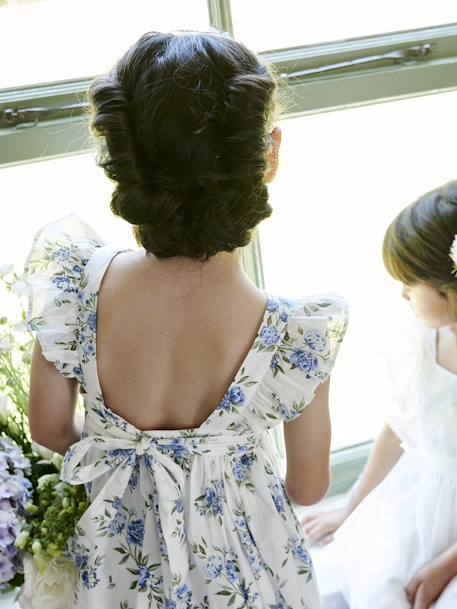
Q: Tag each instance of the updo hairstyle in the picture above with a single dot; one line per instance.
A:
(183, 122)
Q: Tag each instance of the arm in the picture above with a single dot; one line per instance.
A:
(385, 454)
(52, 403)
(307, 440)
(428, 584)
(320, 526)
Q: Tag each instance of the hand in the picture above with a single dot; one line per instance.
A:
(320, 526)
(426, 586)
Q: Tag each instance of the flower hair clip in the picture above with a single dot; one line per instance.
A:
(453, 255)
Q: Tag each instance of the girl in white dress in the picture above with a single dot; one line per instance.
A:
(394, 546)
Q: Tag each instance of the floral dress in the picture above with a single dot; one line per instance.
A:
(192, 518)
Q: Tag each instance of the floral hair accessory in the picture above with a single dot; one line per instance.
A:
(453, 255)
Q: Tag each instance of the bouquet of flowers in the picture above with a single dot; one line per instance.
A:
(38, 512)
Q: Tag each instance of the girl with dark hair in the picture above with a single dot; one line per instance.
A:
(183, 363)
(395, 543)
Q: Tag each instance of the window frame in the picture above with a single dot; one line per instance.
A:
(356, 85)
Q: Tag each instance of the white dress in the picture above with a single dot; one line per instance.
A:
(193, 518)
(411, 516)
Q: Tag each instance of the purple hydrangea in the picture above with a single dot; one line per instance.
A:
(15, 494)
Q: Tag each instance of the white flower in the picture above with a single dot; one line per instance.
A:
(52, 589)
(5, 409)
(36, 546)
(42, 480)
(19, 287)
(5, 268)
(5, 344)
(13, 428)
(42, 451)
(22, 539)
(20, 326)
(453, 252)
(57, 460)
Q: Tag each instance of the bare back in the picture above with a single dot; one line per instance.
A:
(169, 341)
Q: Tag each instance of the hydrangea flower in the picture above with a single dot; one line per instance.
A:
(269, 335)
(305, 360)
(315, 341)
(15, 494)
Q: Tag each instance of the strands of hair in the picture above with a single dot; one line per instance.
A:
(417, 243)
(183, 121)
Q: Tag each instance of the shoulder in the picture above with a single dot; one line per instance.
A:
(326, 307)
(307, 316)
(315, 326)
(61, 248)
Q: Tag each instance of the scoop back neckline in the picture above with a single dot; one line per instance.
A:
(109, 254)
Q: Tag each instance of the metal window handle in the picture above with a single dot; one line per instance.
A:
(29, 117)
(398, 55)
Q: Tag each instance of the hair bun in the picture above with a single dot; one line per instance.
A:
(182, 120)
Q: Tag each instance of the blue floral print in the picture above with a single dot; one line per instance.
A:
(270, 335)
(135, 532)
(212, 501)
(172, 520)
(305, 360)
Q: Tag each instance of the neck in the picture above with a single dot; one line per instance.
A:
(224, 267)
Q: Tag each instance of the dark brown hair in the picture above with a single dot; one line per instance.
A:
(183, 121)
(417, 243)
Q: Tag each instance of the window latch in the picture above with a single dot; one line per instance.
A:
(29, 117)
(397, 56)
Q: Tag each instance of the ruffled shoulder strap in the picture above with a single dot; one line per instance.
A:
(408, 357)
(54, 274)
(316, 326)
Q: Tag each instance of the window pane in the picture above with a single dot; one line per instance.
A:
(267, 24)
(36, 193)
(343, 177)
(47, 40)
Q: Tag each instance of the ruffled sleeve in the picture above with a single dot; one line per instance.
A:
(315, 330)
(54, 274)
(405, 351)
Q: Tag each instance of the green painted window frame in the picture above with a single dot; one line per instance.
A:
(355, 85)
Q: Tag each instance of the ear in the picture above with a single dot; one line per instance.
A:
(273, 154)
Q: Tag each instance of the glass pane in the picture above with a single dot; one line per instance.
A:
(343, 176)
(47, 40)
(36, 193)
(296, 23)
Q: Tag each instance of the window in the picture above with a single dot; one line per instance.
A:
(297, 23)
(65, 39)
(33, 193)
(343, 177)
(371, 106)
